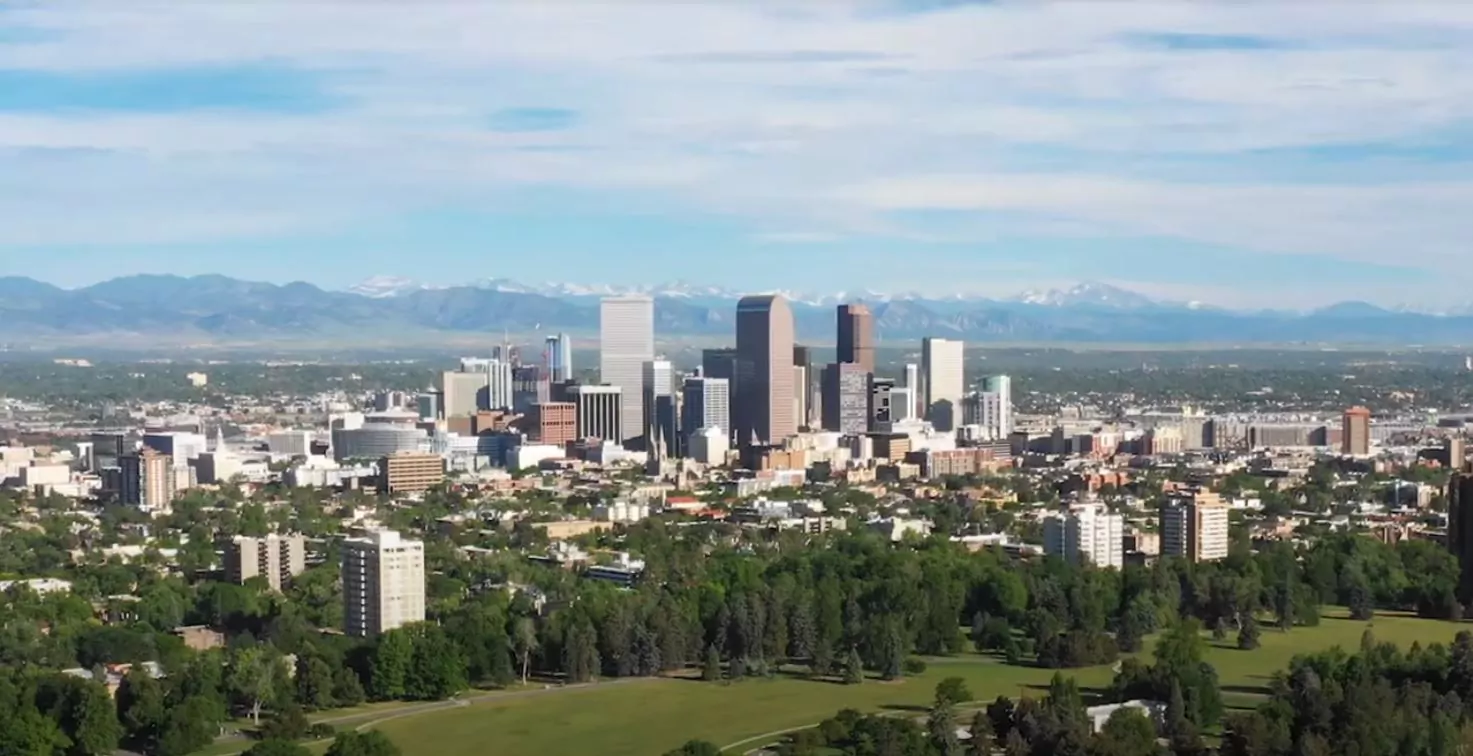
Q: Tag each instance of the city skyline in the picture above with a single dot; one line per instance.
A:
(1229, 154)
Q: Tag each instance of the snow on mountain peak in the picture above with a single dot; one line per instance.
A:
(1085, 294)
(383, 287)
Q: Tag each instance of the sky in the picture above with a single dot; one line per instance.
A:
(1246, 154)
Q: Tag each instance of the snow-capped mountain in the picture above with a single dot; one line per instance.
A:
(384, 287)
(1087, 294)
(217, 307)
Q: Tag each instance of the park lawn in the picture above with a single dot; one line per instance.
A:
(644, 717)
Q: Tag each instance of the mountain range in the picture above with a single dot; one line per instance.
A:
(216, 309)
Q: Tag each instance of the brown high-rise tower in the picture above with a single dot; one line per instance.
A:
(764, 381)
(1355, 432)
(856, 336)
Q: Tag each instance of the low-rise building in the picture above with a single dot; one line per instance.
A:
(410, 472)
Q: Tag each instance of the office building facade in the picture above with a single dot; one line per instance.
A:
(1001, 386)
(705, 403)
(856, 336)
(626, 329)
(764, 382)
(410, 472)
(480, 385)
(1195, 527)
(599, 411)
(383, 583)
(1355, 432)
(559, 359)
(146, 480)
(658, 385)
(942, 374)
(553, 423)
(807, 386)
(846, 398)
(529, 385)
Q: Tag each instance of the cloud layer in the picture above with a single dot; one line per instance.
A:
(1323, 131)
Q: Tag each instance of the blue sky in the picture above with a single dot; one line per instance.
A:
(1279, 154)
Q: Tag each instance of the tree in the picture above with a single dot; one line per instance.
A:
(580, 652)
(1358, 595)
(254, 676)
(1126, 733)
(314, 682)
(941, 727)
(953, 691)
(191, 726)
(982, 735)
(347, 689)
(695, 748)
(389, 665)
(853, 668)
(369, 743)
(288, 724)
(711, 668)
(524, 642)
(1248, 633)
(277, 748)
(436, 666)
(28, 732)
(141, 708)
(91, 720)
(1000, 713)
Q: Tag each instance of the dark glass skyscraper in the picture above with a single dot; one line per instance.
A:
(764, 380)
(856, 342)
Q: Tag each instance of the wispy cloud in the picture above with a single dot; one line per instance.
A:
(1242, 125)
(798, 237)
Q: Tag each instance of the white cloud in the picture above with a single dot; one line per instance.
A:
(823, 120)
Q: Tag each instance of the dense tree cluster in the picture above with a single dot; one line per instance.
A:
(1054, 724)
(1381, 700)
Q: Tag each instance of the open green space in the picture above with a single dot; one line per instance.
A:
(646, 717)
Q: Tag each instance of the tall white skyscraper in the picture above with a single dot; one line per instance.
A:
(1003, 387)
(559, 358)
(942, 376)
(383, 583)
(626, 333)
(1086, 532)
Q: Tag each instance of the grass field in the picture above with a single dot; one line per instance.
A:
(645, 717)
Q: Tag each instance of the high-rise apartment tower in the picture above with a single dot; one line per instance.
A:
(383, 583)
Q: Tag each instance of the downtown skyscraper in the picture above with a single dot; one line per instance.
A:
(764, 384)
(559, 348)
(942, 375)
(856, 332)
(626, 331)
